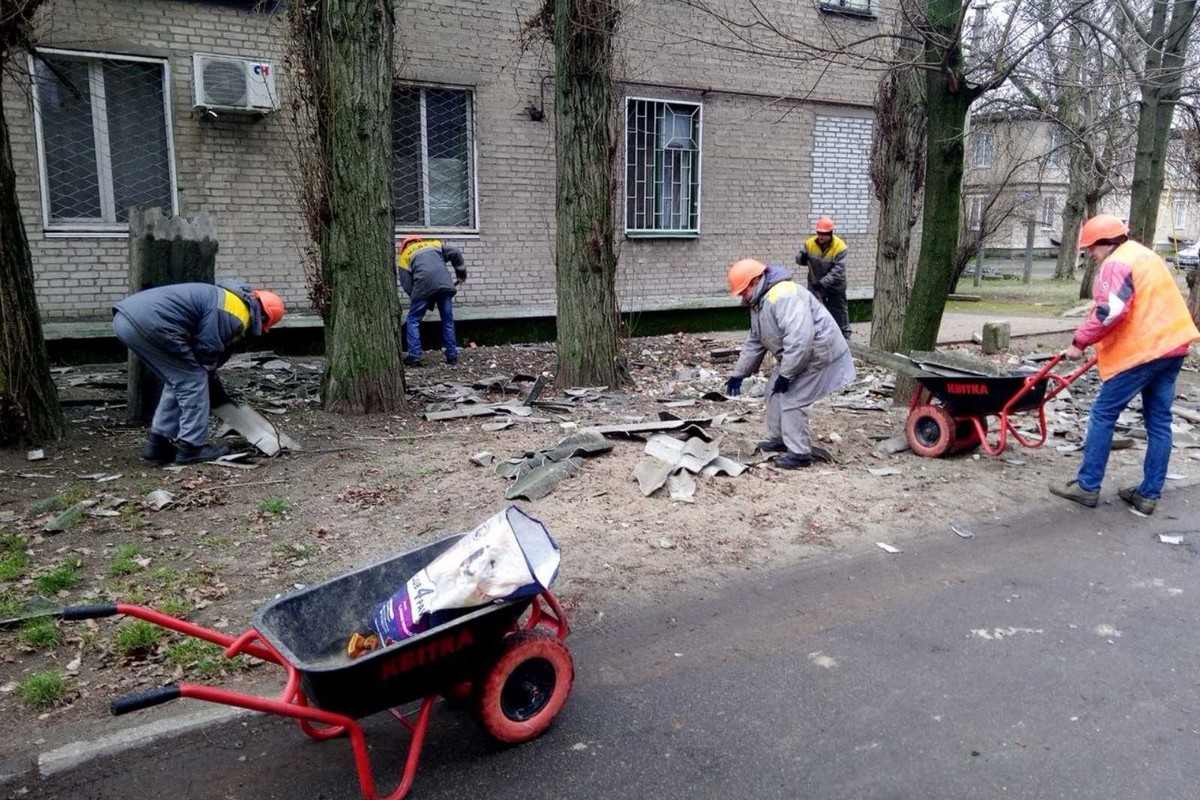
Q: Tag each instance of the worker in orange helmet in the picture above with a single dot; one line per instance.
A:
(1141, 327)
(825, 256)
(184, 332)
(812, 358)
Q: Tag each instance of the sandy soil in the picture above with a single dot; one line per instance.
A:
(366, 488)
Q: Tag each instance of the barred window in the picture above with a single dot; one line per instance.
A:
(974, 212)
(104, 138)
(433, 158)
(662, 167)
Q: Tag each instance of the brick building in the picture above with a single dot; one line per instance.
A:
(726, 153)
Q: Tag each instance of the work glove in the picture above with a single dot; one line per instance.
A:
(782, 383)
(733, 387)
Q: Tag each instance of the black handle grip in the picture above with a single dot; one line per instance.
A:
(136, 702)
(88, 612)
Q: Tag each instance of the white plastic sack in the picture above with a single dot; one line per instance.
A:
(508, 556)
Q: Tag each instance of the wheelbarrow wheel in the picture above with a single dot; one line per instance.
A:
(525, 689)
(930, 431)
(966, 437)
(459, 696)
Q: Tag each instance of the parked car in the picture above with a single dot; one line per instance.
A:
(1188, 257)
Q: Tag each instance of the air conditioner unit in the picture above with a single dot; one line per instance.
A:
(232, 84)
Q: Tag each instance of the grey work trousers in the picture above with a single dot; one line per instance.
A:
(789, 425)
(182, 411)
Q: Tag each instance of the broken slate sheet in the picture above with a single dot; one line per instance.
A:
(537, 474)
(258, 431)
(672, 457)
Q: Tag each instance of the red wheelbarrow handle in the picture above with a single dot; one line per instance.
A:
(1061, 382)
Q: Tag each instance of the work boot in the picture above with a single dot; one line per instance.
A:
(1143, 504)
(194, 454)
(409, 361)
(794, 461)
(772, 446)
(450, 362)
(1071, 490)
(158, 448)
(821, 454)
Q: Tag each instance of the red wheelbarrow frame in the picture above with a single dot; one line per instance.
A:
(922, 396)
(291, 702)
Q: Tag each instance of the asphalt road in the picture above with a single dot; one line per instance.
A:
(1052, 655)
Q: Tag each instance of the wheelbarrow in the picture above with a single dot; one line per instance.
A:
(506, 660)
(949, 412)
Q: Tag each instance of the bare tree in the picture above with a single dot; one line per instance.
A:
(29, 407)
(1165, 38)
(346, 52)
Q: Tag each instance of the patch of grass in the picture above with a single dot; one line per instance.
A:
(14, 561)
(166, 578)
(41, 633)
(124, 563)
(62, 577)
(214, 542)
(289, 551)
(128, 592)
(43, 689)
(131, 516)
(274, 505)
(10, 603)
(137, 637)
(175, 606)
(204, 658)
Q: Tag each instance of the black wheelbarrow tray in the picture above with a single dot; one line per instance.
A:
(508, 660)
(950, 413)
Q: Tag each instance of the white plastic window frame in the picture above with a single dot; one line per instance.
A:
(1050, 211)
(975, 212)
(663, 233)
(98, 229)
(978, 149)
(470, 231)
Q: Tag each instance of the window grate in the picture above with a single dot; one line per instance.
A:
(433, 171)
(662, 167)
(104, 135)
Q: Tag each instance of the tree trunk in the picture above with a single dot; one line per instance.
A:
(352, 44)
(1092, 207)
(897, 166)
(585, 145)
(1165, 68)
(1072, 219)
(29, 408)
(947, 100)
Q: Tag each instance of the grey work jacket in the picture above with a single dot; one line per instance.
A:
(793, 325)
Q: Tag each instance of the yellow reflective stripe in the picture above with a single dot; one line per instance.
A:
(236, 306)
(405, 256)
(781, 290)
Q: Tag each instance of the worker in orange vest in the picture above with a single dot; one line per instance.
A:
(1142, 330)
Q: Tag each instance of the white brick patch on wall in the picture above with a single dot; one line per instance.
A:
(841, 172)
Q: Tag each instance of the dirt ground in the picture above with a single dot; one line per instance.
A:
(366, 488)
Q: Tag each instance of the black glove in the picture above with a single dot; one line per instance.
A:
(782, 383)
(733, 387)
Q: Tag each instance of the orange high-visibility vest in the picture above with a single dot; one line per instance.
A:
(1158, 321)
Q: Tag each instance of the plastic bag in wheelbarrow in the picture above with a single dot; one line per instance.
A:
(509, 556)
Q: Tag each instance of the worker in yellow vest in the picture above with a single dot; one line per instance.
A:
(1140, 325)
(825, 256)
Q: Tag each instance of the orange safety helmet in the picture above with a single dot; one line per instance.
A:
(743, 273)
(824, 224)
(406, 241)
(1100, 227)
(272, 306)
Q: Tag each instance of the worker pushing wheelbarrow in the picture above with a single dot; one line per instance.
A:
(506, 659)
(949, 412)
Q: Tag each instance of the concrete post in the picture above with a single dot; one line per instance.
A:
(996, 337)
(1028, 276)
(978, 265)
(164, 250)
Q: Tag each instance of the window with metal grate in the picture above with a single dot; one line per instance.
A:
(104, 139)
(433, 169)
(662, 168)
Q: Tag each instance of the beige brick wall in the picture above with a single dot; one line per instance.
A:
(757, 173)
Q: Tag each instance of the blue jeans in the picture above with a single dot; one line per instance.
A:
(1155, 381)
(412, 325)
